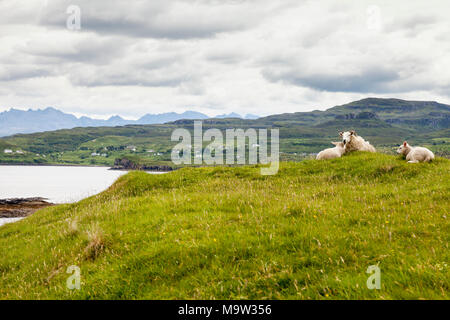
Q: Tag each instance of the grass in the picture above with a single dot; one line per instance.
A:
(309, 232)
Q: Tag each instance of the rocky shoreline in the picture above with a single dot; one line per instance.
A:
(21, 207)
(126, 164)
(144, 168)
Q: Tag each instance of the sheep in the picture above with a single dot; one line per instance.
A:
(353, 142)
(415, 154)
(332, 153)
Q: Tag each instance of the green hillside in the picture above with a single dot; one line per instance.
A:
(5, 145)
(384, 122)
(309, 232)
(421, 115)
(424, 115)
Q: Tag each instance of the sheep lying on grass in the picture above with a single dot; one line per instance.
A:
(332, 153)
(353, 142)
(415, 154)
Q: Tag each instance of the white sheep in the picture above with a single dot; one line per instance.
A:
(415, 154)
(332, 153)
(353, 142)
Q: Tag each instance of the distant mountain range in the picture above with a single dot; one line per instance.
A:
(420, 116)
(30, 121)
(248, 116)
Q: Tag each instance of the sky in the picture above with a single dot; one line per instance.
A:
(101, 58)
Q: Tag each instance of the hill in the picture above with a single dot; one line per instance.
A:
(309, 232)
(428, 115)
(424, 115)
(384, 122)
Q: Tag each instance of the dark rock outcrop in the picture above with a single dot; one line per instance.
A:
(127, 164)
(21, 207)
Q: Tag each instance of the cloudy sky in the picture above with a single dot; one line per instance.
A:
(220, 56)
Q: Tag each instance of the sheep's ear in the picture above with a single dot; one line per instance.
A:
(405, 143)
(335, 143)
(341, 133)
(353, 133)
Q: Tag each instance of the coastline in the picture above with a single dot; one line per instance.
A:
(54, 165)
(158, 169)
(4, 221)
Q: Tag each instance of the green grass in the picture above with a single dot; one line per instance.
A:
(309, 232)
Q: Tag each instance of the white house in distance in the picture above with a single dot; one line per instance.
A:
(7, 151)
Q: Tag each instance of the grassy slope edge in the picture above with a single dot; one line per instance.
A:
(309, 232)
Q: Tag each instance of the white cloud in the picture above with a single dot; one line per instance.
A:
(263, 57)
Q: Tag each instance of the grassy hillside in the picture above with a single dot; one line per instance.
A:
(420, 115)
(416, 115)
(309, 232)
(5, 145)
(384, 122)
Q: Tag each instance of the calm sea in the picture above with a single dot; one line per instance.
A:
(57, 184)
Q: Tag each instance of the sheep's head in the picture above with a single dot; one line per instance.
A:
(404, 148)
(347, 136)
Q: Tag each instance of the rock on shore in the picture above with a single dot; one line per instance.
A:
(21, 207)
(127, 164)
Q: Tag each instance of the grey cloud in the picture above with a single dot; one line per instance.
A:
(225, 57)
(217, 54)
(157, 18)
(124, 80)
(17, 72)
(370, 80)
(86, 49)
(121, 75)
(412, 25)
